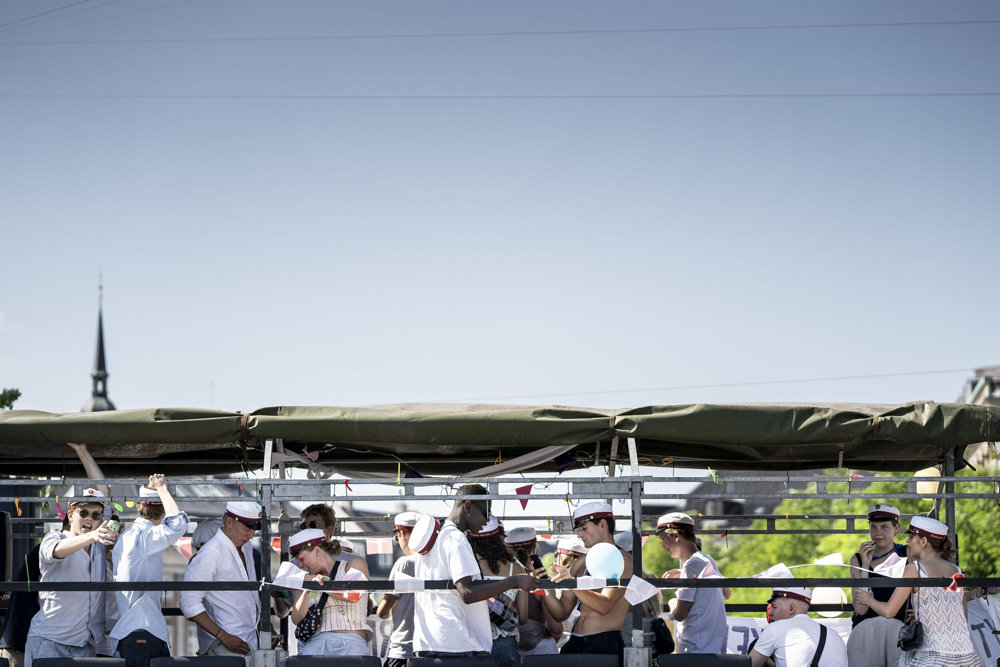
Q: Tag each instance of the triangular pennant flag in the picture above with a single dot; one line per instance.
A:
(563, 462)
(892, 566)
(290, 576)
(832, 559)
(639, 590)
(412, 474)
(778, 571)
(644, 538)
(526, 489)
(276, 545)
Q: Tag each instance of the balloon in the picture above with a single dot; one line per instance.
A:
(605, 561)
(829, 596)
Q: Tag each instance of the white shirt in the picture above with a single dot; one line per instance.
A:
(793, 642)
(705, 629)
(441, 621)
(236, 612)
(74, 618)
(138, 556)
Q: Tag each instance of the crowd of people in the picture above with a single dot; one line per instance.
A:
(493, 609)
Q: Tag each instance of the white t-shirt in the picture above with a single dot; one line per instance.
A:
(705, 629)
(441, 621)
(793, 642)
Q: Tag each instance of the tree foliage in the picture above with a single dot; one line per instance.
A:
(7, 398)
(746, 555)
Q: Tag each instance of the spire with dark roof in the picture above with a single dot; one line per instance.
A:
(99, 401)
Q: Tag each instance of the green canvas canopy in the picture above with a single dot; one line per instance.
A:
(459, 439)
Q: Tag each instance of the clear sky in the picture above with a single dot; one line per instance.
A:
(299, 203)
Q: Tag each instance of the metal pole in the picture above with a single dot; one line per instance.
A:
(949, 499)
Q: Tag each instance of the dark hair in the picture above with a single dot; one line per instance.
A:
(323, 510)
(522, 555)
(492, 549)
(474, 490)
(943, 548)
(151, 511)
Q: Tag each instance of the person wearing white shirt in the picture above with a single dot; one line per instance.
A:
(794, 639)
(141, 632)
(455, 623)
(699, 614)
(70, 624)
(229, 616)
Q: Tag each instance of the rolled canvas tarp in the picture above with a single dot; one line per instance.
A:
(453, 439)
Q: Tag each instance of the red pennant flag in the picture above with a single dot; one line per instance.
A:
(525, 490)
(276, 545)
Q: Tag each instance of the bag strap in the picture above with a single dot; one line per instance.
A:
(819, 649)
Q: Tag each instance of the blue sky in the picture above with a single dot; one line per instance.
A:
(285, 217)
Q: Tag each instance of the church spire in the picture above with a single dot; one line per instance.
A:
(99, 401)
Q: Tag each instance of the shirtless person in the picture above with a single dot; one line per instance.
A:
(602, 613)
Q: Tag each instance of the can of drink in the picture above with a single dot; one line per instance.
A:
(114, 525)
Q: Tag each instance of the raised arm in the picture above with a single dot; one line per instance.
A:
(476, 591)
(94, 472)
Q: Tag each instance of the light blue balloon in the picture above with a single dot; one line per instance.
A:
(605, 561)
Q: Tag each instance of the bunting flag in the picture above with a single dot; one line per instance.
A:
(289, 576)
(17, 505)
(523, 490)
(59, 511)
(563, 462)
(832, 559)
(778, 571)
(276, 545)
(644, 538)
(412, 474)
(891, 567)
(639, 590)
(404, 583)
(591, 583)
(183, 547)
(378, 545)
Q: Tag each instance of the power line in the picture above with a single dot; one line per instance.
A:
(721, 385)
(638, 96)
(517, 33)
(99, 18)
(49, 11)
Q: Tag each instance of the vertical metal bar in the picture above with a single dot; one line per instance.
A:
(637, 655)
(949, 499)
(637, 635)
(265, 546)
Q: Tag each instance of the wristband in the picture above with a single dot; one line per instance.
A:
(218, 633)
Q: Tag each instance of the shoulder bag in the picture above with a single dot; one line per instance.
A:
(310, 625)
(911, 636)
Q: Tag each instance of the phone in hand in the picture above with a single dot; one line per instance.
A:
(536, 562)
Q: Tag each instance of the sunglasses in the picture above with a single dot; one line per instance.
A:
(95, 515)
(310, 524)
